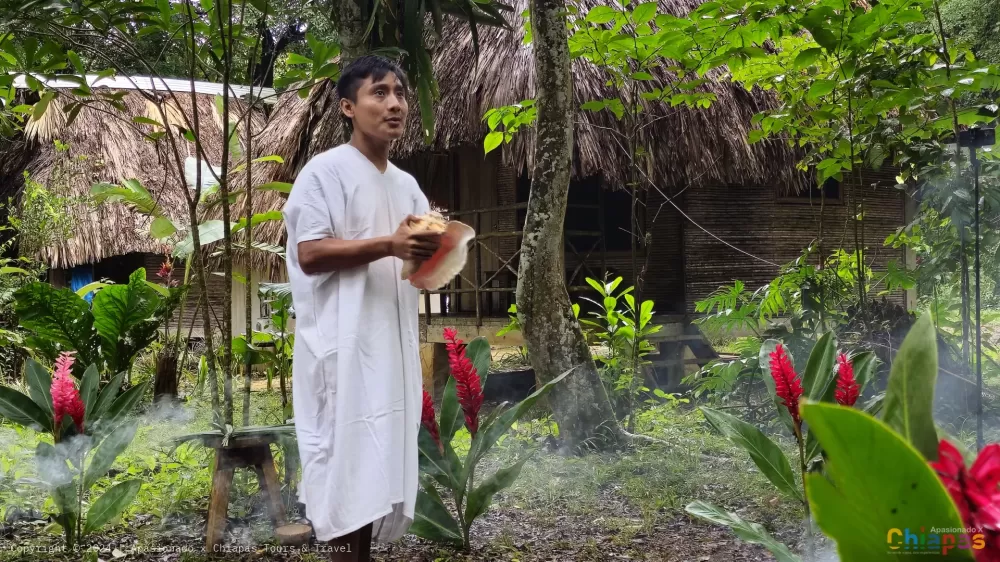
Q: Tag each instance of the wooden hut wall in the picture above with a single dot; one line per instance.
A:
(463, 180)
(777, 228)
(192, 311)
(664, 280)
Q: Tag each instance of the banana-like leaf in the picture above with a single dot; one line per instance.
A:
(818, 378)
(39, 385)
(478, 351)
(111, 505)
(443, 468)
(209, 232)
(451, 412)
(768, 457)
(123, 406)
(88, 388)
(107, 452)
(874, 480)
(105, 398)
(480, 498)
(864, 368)
(432, 520)
(909, 398)
(22, 410)
(750, 532)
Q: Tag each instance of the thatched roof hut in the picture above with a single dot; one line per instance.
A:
(103, 144)
(688, 147)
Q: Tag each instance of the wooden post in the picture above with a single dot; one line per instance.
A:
(427, 307)
(242, 452)
(267, 476)
(479, 271)
(218, 506)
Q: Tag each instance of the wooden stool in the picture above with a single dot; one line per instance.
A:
(241, 452)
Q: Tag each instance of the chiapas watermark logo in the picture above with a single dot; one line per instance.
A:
(939, 540)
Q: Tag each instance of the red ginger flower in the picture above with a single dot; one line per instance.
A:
(467, 385)
(786, 383)
(428, 420)
(847, 387)
(66, 399)
(974, 491)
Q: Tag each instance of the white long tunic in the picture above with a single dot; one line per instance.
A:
(356, 383)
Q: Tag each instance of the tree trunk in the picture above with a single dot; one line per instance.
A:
(553, 336)
(165, 380)
(350, 17)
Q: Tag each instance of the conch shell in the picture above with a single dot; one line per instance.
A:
(447, 261)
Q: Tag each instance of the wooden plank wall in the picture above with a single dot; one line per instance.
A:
(759, 221)
(664, 282)
(193, 313)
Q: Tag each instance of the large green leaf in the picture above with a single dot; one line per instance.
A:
(864, 368)
(106, 453)
(478, 351)
(123, 406)
(209, 232)
(443, 468)
(479, 499)
(431, 519)
(111, 505)
(909, 398)
(451, 411)
(39, 385)
(875, 481)
(88, 389)
(765, 454)
(749, 532)
(764, 361)
(121, 316)
(105, 398)
(58, 316)
(818, 378)
(22, 410)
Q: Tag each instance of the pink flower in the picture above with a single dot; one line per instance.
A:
(66, 399)
(467, 384)
(847, 387)
(786, 383)
(428, 420)
(974, 492)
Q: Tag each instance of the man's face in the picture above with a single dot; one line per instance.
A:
(381, 109)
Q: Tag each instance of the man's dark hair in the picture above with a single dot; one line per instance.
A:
(368, 66)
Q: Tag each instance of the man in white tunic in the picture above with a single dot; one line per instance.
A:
(356, 383)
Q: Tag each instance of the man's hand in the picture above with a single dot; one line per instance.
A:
(410, 245)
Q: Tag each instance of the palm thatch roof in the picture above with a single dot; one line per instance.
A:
(103, 144)
(688, 147)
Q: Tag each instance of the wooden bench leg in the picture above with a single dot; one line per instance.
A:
(267, 475)
(218, 505)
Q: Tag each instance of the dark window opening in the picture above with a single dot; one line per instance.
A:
(831, 191)
(614, 206)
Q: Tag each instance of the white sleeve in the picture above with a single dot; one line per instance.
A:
(420, 204)
(308, 212)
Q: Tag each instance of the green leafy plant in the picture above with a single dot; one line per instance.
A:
(123, 321)
(90, 428)
(625, 332)
(441, 466)
(827, 377)
(896, 481)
